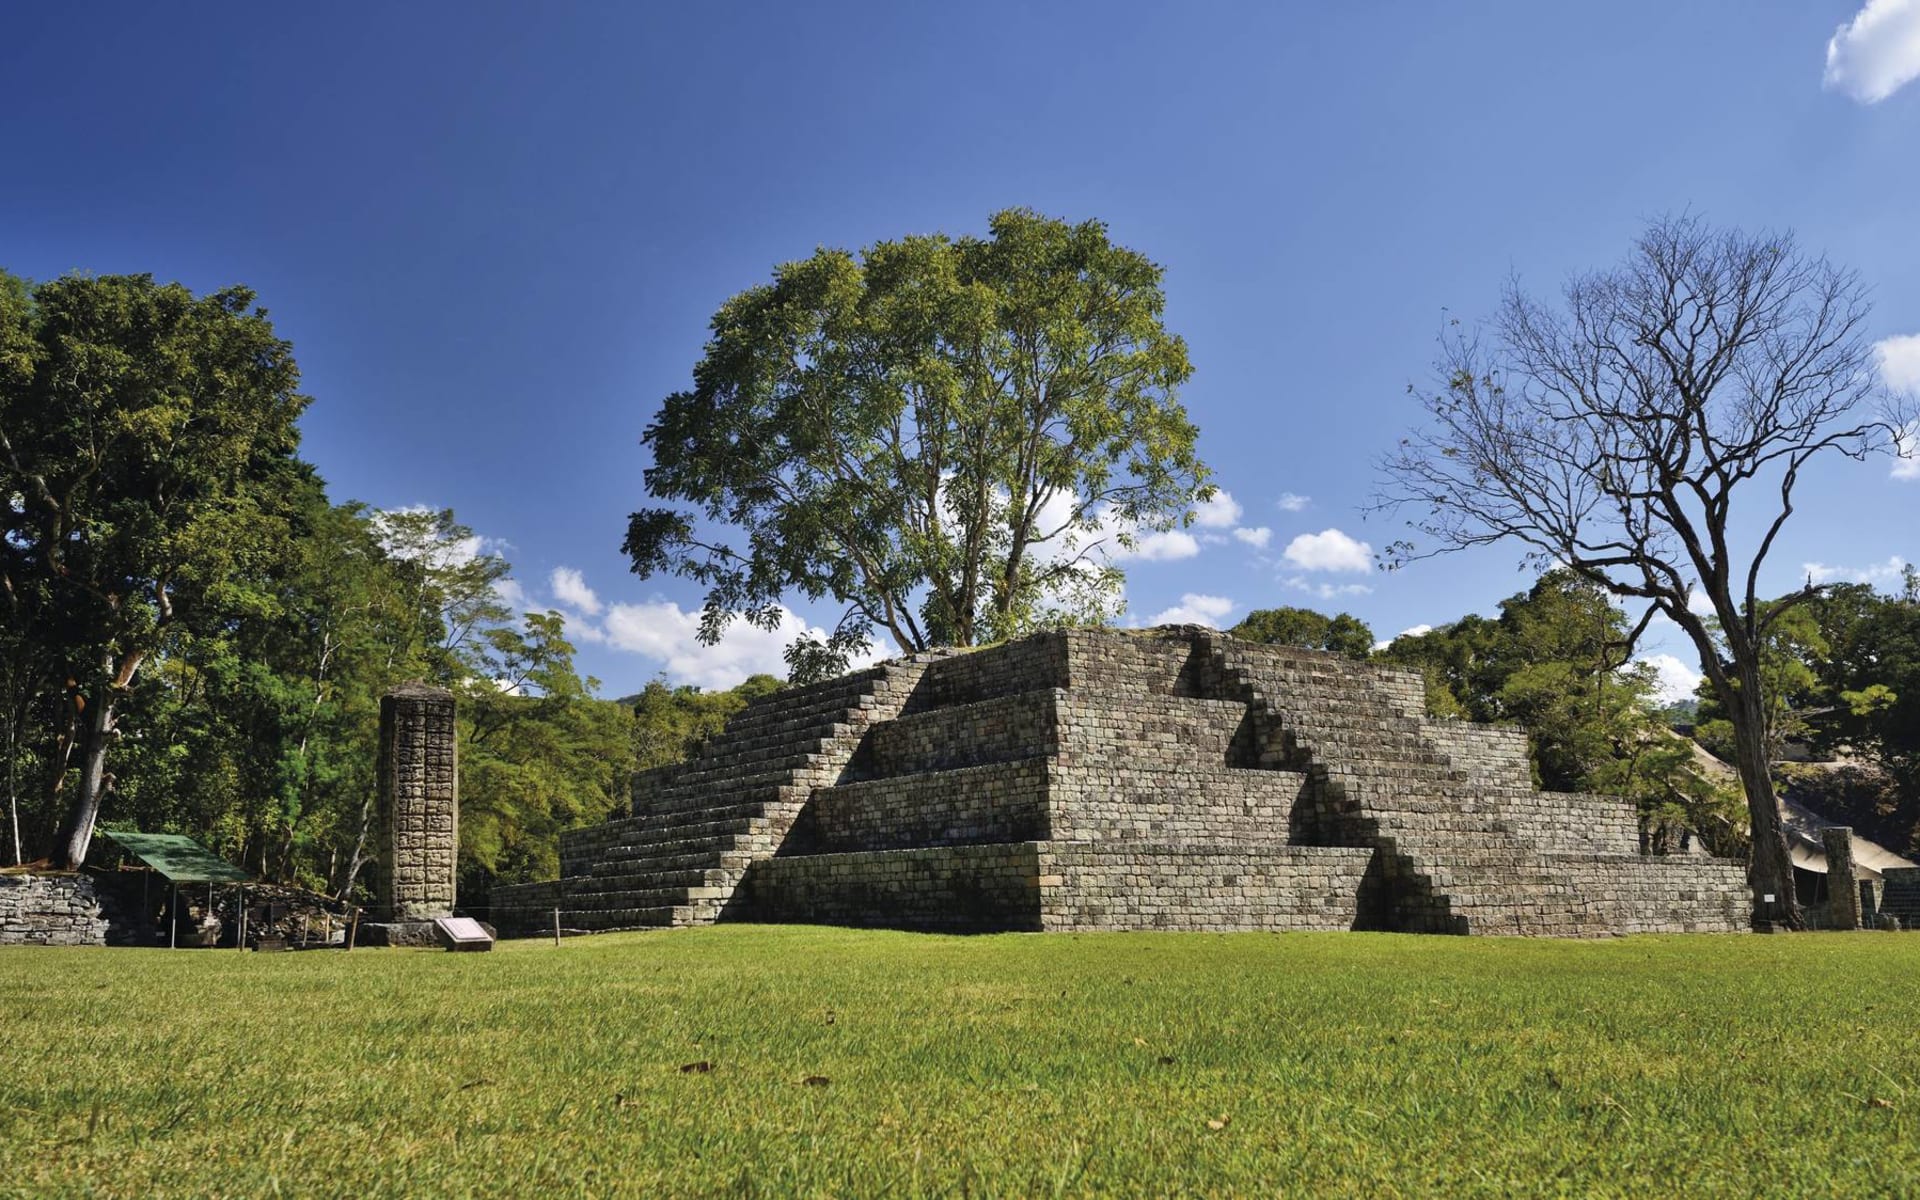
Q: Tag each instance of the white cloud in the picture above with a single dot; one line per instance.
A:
(1899, 359)
(1698, 604)
(1221, 512)
(1414, 631)
(1257, 538)
(1167, 545)
(570, 588)
(1163, 545)
(511, 594)
(1872, 56)
(1329, 550)
(1195, 609)
(661, 631)
(1673, 678)
(1328, 591)
(1884, 574)
(1292, 502)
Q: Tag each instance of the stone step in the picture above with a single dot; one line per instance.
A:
(681, 839)
(609, 920)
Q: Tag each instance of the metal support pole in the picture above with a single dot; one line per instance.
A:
(556, 926)
(173, 920)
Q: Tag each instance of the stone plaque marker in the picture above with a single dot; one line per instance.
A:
(462, 933)
(419, 806)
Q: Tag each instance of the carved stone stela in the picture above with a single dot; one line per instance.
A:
(419, 806)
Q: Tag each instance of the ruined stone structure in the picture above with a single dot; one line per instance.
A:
(50, 910)
(419, 807)
(1843, 893)
(1900, 896)
(1100, 779)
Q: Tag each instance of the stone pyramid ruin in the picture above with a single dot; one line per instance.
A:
(1175, 778)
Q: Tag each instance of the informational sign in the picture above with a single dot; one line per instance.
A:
(462, 933)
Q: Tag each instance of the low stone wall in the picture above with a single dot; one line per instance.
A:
(958, 889)
(1633, 893)
(520, 909)
(1278, 888)
(50, 910)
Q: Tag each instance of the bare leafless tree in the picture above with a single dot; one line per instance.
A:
(1613, 433)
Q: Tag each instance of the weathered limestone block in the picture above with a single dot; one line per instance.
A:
(419, 804)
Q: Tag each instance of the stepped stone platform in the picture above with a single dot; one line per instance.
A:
(1174, 778)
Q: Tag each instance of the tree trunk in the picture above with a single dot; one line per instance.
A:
(1770, 865)
(76, 828)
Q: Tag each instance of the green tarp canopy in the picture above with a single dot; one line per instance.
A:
(179, 858)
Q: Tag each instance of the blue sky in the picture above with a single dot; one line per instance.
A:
(495, 233)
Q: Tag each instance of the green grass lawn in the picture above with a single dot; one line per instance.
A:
(855, 1063)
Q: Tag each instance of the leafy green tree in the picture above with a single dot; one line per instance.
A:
(146, 443)
(1868, 683)
(1555, 662)
(1343, 633)
(670, 723)
(538, 754)
(939, 433)
(1789, 654)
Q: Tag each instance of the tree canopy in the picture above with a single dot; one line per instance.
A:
(945, 435)
(1343, 633)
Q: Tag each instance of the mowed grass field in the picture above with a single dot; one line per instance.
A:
(768, 1061)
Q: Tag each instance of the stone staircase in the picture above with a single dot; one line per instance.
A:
(1451, 858)
(696, 828)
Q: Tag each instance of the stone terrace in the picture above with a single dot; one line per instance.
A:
(1103, 779)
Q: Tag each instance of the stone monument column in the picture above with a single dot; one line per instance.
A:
(1843, 894)
(419, 805)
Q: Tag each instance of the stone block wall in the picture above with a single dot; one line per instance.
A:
(50, 910)
(1153, 732)
(1030, 664)
(996, 802)
(1160, 662)
(1182, 805)
(1278, 888)
(1572, 822)
(995, 729)
(1900, 895)
(959, 889)
(1488, 754)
